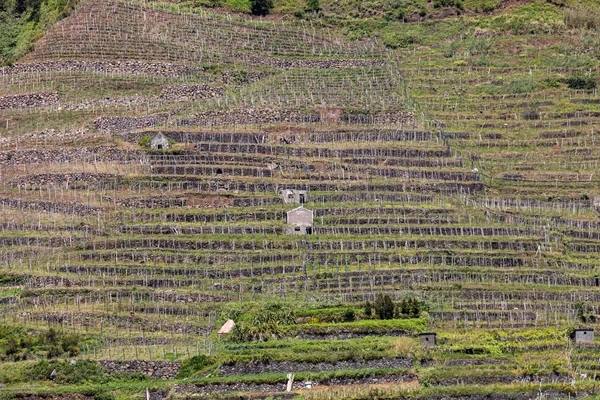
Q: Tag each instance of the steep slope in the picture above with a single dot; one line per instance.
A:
(455, 175)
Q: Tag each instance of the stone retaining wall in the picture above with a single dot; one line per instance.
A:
(62, 179)
(155, 369)
(68, 155)
(48, 206)
(121, 124)
(40, 99)
(165, 70)
(291, 366)
(190, 92)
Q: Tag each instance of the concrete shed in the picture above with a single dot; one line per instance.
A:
(585, 335)
(292, 196)
(300, 221)
(160, 142)
(428, 339)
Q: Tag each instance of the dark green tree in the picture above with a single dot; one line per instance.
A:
(261, 7)
(368, 308)
(384, 307)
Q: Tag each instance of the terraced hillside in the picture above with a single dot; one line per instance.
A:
(151, 154)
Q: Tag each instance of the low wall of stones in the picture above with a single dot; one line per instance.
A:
(40, 99)
(165, 70)
(269, 116)
(291, 366)
(63, 208)
(66, 155)
(275, 387)
(190, 92)
(315, 64)
(247, 116)
(154, 369)
(121, 124)
(150, 202)
(36, 180)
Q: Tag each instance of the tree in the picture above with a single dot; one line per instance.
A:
(368, 308)
(414, 308)
(384, 307)
(261, 7)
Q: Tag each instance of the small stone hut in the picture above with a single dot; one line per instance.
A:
(160, 142)
(300, 221)
(292, 196)
(585, 335)
(428, 339)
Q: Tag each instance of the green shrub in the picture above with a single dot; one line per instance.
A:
(195, 364)
(145, 141)
(261, 7)
(82, 371)
(348, 315)
(581, 83)
(313, 6)
(448, 3)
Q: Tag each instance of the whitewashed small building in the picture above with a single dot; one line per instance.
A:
(299, 221)
(160, 142)
(293, 196)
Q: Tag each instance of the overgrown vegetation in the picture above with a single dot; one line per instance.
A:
(22, 23)
(18, 344)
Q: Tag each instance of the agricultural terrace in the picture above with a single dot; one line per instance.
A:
(150, 154)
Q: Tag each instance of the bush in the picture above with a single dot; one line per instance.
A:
(261, 7)
(582, 17)
(448, 3)
(313, 6)
(348, 315)
(581, 83)
(403, 346)
(195, 364)
(82, 371)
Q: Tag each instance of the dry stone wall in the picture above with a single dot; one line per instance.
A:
(121, 124)
(47, 206)
(165, 70)
(68, 155)
(41, 99)
(315, 64)
(154, 369)
(190, 92)
(62, 179)
(267, 116)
